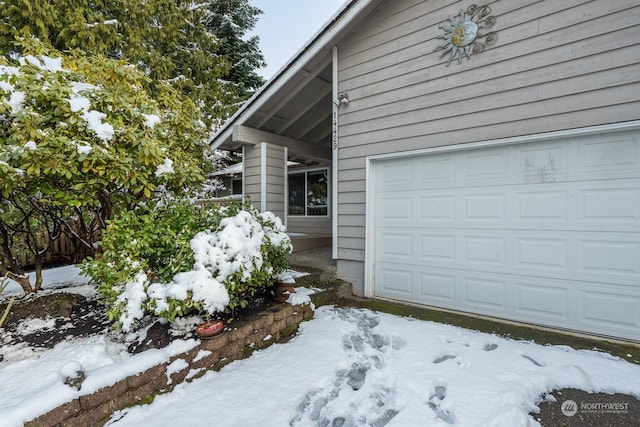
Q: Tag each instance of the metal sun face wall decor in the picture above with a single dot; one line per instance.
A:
(465, 34)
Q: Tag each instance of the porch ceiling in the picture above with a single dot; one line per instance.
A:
(300, 110)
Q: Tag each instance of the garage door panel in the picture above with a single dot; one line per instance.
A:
(437, 287)
(437, 248)
(620, 205)
(441, 208)
(585, 207)
(537, 206)
(395, 174)
(489, 207)
(396, 246)
(487, 166)
(487, 292)
(435, 172)
(395, 208)
(607, 310)
(540, 163)
(612, 156)
(610, 257)
(541, 253)
(397, 282)
(565, 255)
(545, 233)
(537, 300)
(485, 251)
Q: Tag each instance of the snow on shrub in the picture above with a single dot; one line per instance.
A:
(81, 137)
(175, 259)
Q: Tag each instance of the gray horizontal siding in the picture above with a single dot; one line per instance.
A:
(468, 93)
(352, 243)
(352, 220)
(309, 225)
(351, 209)
(251, 177)
(275, 178)
(275, 173)
(352, 231)
(556, 65)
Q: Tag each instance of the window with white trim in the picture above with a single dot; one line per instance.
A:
(308, 193)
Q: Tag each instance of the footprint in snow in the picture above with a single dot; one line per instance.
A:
(439, 394)
(378, 341)
(357, 375)
(384, 418)
(490, 346)
(316, 407)
(354, 342)
(367, 321)
(367, 349)
(398, 343)
(357, 341)
(444, 357)
(534, 361)
(315, 400)
(444, 415)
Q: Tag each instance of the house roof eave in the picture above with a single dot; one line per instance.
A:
(317, 45)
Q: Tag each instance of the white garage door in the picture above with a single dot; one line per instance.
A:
(546, 233)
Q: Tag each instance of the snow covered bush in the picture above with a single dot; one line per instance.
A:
(176, 258)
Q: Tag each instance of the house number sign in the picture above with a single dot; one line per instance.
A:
(465, 34)
(334, 131)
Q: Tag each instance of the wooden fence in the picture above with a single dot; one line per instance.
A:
(62, 252)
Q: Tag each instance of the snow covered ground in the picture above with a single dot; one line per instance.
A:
(346, 367)
(353, 367)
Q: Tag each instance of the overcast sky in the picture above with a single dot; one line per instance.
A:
(287, 25)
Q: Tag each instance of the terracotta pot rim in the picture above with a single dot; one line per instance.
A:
(209, 328)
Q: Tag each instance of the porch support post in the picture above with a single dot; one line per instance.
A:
(244, 175)
(285, 217)
(263, 176)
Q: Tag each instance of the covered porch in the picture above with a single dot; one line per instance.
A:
(285, 143)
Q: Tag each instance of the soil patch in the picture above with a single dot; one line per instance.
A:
(44, 320)
(47, 318)
(159, 334)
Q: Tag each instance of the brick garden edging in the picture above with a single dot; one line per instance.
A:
(256, 332)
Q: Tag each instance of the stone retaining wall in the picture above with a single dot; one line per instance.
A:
(256, 332)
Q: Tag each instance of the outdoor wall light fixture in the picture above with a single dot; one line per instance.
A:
(343, 99)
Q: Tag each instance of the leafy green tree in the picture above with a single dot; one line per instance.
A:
(79, 138)
(230, 21)
(165, 38)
